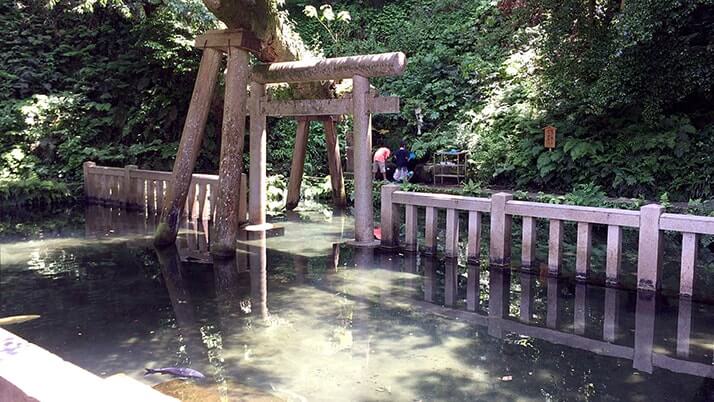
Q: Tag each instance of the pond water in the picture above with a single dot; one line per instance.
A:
(300, 316)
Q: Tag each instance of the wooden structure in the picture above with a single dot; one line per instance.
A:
(549, 137)
(239, 75)
(449, 164)
(649, 220)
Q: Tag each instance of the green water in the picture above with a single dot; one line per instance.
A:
(304, 318)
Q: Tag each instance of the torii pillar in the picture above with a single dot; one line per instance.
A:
(361, 106)
(237, 44)
(362, 128)
(297, 166)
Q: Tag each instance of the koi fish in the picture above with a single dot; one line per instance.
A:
(182, 372)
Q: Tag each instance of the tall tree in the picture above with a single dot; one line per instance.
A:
(270, 25)
(278, 41)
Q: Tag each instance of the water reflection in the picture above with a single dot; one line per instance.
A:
(174, 277)
(642, 352)
(257, 252)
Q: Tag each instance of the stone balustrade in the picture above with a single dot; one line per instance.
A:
(650, 220)
(133, 188)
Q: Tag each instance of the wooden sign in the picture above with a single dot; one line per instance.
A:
(549, 137)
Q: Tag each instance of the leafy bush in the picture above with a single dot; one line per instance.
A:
(627, 84)
(98, 82)
(33, 192)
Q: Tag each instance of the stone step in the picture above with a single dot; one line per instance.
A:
(134, 390)
(31, 373)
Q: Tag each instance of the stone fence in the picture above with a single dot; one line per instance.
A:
(132, 188)
(650, 220)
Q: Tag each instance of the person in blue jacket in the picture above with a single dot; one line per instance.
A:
(401, 158)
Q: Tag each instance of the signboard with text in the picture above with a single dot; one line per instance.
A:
(549, 137)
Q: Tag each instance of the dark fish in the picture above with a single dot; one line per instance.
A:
(182, 372)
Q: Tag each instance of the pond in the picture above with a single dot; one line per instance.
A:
(298, 315)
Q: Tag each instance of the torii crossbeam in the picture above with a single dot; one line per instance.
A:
(237, 44)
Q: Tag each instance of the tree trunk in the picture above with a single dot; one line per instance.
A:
(278, 42)
(267, 23)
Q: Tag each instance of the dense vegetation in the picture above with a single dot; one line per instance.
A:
(628, 85)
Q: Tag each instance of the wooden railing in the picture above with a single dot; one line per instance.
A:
(649, 220)
(133, 188)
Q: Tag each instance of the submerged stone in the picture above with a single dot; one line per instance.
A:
(189, 391)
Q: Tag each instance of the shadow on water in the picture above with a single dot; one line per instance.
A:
(300, 315)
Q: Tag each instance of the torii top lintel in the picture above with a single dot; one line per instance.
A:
(370, 65)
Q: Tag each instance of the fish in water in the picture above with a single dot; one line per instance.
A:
(182, 372)
(16, 319)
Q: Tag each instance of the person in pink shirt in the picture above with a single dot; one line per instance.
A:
(379, 162)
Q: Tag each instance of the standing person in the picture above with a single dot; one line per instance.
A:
(379, 162)
(401, 159)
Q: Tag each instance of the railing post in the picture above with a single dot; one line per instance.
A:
(473, 247)
(614, 254)
(584, 250)
(410, 243)
(389, 217)
(500, 248)
(528, 245)
(690, 243)
(451, 249)
(430, 229)
(555, 246)
(649, 258)
(88, 190)
(127, 188)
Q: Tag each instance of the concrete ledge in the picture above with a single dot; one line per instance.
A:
(30, 373)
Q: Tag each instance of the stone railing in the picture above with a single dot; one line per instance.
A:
(132, 188)
(649, 220)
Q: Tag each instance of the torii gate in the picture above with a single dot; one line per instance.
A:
(236, 44)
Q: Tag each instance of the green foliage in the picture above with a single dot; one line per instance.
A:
(627, 84)
(664, 200)
(314, 192)
(33, 192)
(108, 82)
(586, 194)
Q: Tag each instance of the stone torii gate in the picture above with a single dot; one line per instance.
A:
(239, 75)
